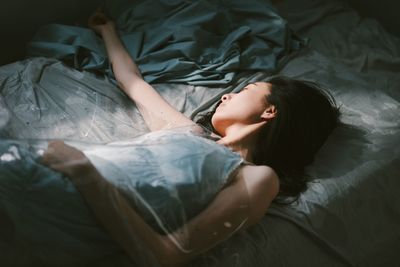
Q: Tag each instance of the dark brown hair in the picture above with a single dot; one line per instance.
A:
(306, 115)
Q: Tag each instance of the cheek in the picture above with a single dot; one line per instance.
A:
(226, 113)
(240, 109)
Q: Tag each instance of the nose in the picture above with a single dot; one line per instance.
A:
(226, 97)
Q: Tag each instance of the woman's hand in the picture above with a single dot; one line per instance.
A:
(99, 22)
(64, 158)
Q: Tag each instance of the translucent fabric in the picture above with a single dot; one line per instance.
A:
(168, 177)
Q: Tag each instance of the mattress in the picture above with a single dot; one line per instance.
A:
(350, 214)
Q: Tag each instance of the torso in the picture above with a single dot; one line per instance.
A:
(168, 168)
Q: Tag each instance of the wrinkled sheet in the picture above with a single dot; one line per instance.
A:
(349, 216)
(46, 220)
(201, 42)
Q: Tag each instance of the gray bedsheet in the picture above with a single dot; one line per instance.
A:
(202, 42)
(349, 216)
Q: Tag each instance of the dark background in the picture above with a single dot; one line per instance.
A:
(386, 11)
(19, 19)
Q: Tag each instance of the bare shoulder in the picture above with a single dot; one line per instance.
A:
(262, 184)
(260, 176)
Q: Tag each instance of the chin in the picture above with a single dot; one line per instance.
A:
(218, 127)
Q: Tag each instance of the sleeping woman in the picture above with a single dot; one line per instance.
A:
(249, 152)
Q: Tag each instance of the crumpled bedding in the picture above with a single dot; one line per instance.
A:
(45, 214)
(205, 42)
(349, 216)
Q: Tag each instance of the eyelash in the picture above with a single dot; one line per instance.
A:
(246, 88)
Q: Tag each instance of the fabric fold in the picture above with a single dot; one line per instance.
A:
(194, 42)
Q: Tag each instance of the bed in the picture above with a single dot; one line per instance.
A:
(350, 214)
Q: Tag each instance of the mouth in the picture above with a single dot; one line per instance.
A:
(219, 104)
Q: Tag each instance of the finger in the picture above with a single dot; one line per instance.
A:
(48, 160)
(99, 20)
(100, 8)
(59, 167)
(71, 172)
(49, 150)
(56, 145)
(49, 155)
(92, 18)
(99, 12)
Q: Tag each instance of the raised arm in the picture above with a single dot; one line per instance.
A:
(240, 204)
(156, 111)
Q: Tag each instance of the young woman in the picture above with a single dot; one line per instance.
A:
(268, 133)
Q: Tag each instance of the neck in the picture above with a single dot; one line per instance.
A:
(242, 139)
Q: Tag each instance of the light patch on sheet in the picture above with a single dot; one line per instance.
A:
(11, 155)
(376, 122)
(40, 152)
(92, 120)
(387, 105)
(79, 98)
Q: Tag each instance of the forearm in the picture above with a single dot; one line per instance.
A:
(124, 67)
(154, 109)
(117, 216)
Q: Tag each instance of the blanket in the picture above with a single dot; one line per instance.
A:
(201, 42)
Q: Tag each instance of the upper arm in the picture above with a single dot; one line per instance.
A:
(156, 111)
(239, 205)
(263, 186)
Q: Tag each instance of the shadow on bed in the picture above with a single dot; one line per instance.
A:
(7, 229)
(341, 153)
(350, 214)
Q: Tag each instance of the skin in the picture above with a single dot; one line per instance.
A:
(247, 107)
(238, 120)
(240, 117)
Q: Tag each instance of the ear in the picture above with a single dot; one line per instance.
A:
(269, 113)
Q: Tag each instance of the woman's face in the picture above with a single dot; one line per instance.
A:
(243, 108)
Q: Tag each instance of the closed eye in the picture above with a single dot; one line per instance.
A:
(247, 87)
